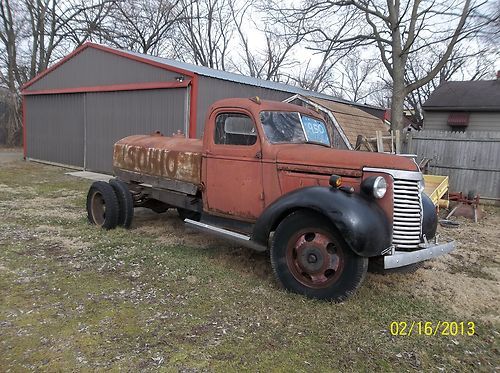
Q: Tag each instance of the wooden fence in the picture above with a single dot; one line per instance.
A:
(471, 159)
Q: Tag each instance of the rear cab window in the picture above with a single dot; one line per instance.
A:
(234, 129)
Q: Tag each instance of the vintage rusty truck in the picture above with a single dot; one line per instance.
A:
(266, 175)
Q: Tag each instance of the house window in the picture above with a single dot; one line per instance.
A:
(458, 120)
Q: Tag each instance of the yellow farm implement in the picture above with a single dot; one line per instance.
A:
(436, 187)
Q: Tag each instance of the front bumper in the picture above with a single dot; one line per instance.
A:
(404, 258)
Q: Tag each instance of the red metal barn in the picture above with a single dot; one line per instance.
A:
(77, 109)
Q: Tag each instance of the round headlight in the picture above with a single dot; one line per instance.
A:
(379, 187)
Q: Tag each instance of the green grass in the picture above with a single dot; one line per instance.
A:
(73, 297)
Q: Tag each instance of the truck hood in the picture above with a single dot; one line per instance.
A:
(320, 156)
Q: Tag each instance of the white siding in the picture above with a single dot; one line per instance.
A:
(485, 121)
(436, 120)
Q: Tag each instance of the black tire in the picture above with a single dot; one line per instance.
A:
(125, 203)
(187, 214)
(309, 257)
(376, 265)
(102, 205)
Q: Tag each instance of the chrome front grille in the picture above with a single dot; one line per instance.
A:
(407, 218)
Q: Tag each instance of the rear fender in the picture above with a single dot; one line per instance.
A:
(360, 221)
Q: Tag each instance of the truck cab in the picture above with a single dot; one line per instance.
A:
(266, 175)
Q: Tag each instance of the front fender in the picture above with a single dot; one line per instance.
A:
(359, 220)
(430, 218)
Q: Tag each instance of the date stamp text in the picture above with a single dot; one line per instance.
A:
(432, 328)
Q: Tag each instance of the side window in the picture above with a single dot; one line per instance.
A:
(234, 129)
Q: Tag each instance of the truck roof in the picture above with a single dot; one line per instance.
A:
(254, 104)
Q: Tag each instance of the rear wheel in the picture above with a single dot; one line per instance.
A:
(310, 258)
(125, 203)
(102, 205)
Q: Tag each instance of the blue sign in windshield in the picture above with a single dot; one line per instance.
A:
(315, 130)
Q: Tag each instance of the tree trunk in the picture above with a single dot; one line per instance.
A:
(397, 117)
(12, 119)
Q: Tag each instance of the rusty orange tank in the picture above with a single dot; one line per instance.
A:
(175, 158)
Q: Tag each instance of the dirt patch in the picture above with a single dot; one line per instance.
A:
(171, 230)
(465, 281)
(26, 190)
(246, 261)
(468, 279)
(13, 233)
(129, 301)
(55, 213)
(16, 149)
(8, 155)
(43, 207)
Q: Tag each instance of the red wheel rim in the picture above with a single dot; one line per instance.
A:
(314, 258)
(98, 208)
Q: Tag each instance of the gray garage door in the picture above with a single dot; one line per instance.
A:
(55, 128)
(111, 116)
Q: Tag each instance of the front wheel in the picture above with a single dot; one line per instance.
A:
(309, 257)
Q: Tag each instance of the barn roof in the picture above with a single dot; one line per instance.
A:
(353, 121)
(238, 78)
(480, 95)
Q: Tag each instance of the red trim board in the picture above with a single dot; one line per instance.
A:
(193, 108)
(23, 109)
(110, 88)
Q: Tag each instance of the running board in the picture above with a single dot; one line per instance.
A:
(221, 232)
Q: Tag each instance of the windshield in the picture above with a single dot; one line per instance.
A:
(293, 127)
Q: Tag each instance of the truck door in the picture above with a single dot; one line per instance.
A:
(232, 166)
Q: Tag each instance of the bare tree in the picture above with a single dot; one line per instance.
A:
(31, 31)
(316, 77)
(355, 75)
(90, 24)
(278, 41)
(381, 93)
(144, 26)
(11, 120)
(32, 34)
(399, 30)
(9, 36)
(491, 33)
(204, 33)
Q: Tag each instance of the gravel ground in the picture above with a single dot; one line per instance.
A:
(8, 155)
(163, 297)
